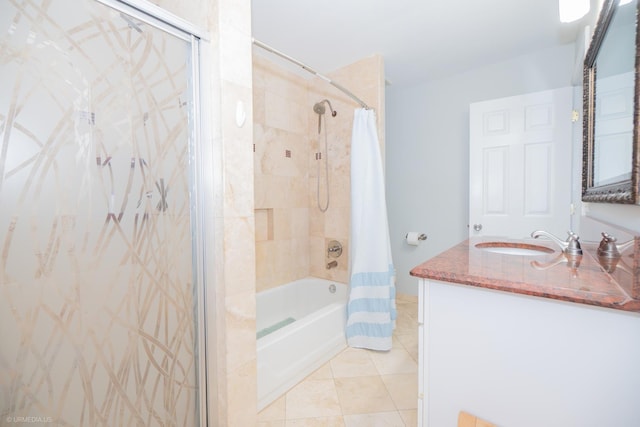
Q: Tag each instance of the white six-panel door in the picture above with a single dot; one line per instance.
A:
(520, 164)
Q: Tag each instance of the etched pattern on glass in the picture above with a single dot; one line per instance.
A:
(97, 324)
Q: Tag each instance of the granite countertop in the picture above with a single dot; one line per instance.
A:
(586, 279)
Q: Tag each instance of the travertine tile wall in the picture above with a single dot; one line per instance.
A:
(292, 234)
(281, 155)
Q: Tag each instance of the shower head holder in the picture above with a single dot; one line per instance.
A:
(319, 108)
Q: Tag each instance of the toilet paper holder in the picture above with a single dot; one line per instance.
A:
(421, 236)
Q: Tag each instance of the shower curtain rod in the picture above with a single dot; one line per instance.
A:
(311, 70)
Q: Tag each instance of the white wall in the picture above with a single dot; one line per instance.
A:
(614, 219)
(427, 157)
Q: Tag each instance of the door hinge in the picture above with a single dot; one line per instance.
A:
(575, 116)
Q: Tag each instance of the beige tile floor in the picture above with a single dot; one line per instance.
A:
(358, 388)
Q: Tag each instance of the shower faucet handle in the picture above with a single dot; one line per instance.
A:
(334, 250)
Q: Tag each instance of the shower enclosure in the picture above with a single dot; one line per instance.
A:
(101, 282)
(297, 230)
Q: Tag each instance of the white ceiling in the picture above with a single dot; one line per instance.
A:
(419, 39)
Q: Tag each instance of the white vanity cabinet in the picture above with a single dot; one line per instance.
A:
(523, 361)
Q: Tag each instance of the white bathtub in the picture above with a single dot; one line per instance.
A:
(291, 352)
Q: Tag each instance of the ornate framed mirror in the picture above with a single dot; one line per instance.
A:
(610, 161)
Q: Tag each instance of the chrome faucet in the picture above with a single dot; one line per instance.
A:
(570, 247)
(610, 249)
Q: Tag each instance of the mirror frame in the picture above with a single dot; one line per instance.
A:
(624, 191)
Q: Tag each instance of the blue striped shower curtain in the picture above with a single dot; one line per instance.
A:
(371, 310)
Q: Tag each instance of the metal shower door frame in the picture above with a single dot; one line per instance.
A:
(160, 18)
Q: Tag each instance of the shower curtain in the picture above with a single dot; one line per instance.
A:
(371, 311)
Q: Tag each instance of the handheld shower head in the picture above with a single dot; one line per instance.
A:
(319, 108)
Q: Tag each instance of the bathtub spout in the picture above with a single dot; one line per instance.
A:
(332, 264)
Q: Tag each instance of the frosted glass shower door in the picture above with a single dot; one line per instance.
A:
(98, 294)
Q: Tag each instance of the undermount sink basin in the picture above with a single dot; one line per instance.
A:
(513, 248)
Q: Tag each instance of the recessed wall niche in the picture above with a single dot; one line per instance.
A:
(264, 224)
